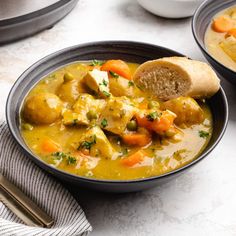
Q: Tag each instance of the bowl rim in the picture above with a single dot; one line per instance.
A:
(195, 35)
(36, 13)
(67, 175)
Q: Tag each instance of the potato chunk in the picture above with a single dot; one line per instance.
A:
(117, 113)
(187, 110)
(98, 81)
(96, 142)
(123, 87)
(79, 114)
(69, 91)
(71, 87)
(43, 108)
(229, 47)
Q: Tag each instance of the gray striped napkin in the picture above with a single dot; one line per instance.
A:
(48, 194)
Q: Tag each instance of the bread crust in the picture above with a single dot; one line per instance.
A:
(181, 77)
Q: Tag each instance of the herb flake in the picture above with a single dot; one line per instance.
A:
(130, 83)
(88, 144)
(71, 160)
(104, 83)
(75, 121)
(113, 74)
(152, 116)
(96, 63)
(125, 151)
(203, 134)
(106, 93)
(61, 155)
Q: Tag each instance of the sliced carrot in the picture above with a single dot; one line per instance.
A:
(48, 145)
(231, 32)
(159, 125)
(165, 122)
(143, 105)
(117, 66)
(222, 24)
(134, 159)
(143, 121)
(137, 139)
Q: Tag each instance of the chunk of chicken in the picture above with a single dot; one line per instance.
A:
(116, 114)
(123, 87)
(98, 81)
(96, 142)
(71, 118)
(79, 114)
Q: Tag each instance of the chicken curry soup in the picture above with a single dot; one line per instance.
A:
(90, 119)
(220, 38)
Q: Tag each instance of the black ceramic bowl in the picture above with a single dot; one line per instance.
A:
(200, 22)
(129, 51)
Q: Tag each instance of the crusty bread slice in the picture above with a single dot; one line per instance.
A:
(171, 77)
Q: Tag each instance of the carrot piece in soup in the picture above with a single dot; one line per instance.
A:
(231, 32)
(143, 105)
(137, 139)
(48, 145)
(117, 66)
(165, 122)
(222, 24)
(158, 124)
(133, 159)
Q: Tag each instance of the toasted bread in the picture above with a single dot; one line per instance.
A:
(171, 77)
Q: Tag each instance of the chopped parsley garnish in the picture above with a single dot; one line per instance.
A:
(125, 151)
(104, 123)
(104, 82)
(88, 144)
(130, 83)
(71, 160)
(203, 134)
(106, 93)
(96, 63)
(74, 122)
(141, 87)
(152, 116)
(113, 74)
(61, 155)
(153, 149)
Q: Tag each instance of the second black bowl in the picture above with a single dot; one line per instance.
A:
(200, 22)
(129, 51)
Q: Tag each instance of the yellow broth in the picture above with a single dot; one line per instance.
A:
(163, 155)
(214, 39)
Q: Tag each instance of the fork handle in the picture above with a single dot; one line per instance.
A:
(22, 206)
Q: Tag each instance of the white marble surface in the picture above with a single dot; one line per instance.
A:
(202, 201)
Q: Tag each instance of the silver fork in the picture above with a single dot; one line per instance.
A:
(22, 206)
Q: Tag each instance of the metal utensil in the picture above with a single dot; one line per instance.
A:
(22, 206)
